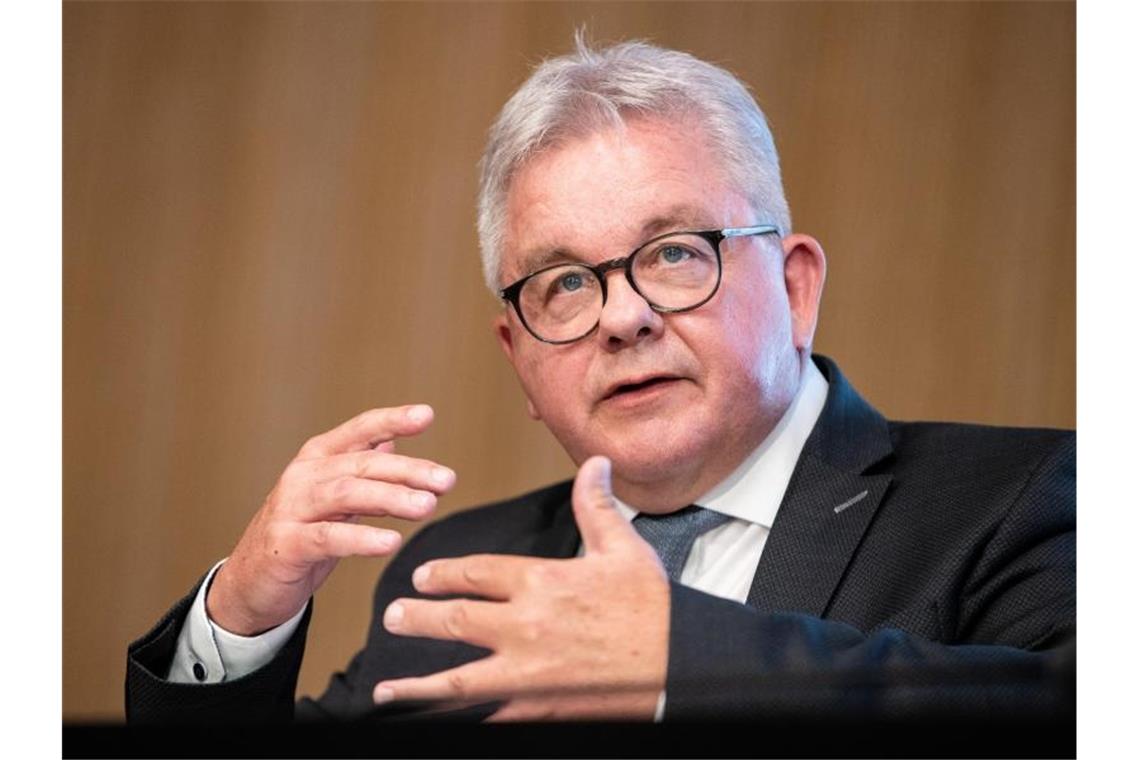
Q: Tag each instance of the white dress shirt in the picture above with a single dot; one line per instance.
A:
(721, 562)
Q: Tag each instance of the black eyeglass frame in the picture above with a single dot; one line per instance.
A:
(510, 294)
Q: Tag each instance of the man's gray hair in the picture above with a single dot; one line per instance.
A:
(589, 90)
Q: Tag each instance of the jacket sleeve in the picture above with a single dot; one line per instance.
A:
(265, 695)
(1010, 645)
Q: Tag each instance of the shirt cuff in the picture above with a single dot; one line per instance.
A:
(206, 653)
(659, 713)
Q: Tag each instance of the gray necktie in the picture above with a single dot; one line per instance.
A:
(672, 535)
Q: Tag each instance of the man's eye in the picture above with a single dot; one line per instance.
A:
(674, 254)
(568, 283)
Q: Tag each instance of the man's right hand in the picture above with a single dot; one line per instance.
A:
(309, 519)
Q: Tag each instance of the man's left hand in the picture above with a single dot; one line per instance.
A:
(570, 638)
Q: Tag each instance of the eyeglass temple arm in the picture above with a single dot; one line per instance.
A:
(761, 229)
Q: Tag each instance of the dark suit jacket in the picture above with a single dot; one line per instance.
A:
(911, 567)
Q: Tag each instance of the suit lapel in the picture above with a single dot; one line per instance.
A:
(830, 501)
(811, 544)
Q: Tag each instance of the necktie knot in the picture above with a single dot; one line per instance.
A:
(672, 535)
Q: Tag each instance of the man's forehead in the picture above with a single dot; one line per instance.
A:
(599, 195)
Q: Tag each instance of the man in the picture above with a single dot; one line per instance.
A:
(745, 535)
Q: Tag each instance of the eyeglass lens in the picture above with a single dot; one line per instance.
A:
(674, 273)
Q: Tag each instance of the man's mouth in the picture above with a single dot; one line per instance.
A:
(636, 385)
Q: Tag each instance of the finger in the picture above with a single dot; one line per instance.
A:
(524, 710)
(492, 576)
(469, 620)
(577, 705)
(548, 708)
(380, 465)
(475, 682)
(358, 496)
(597, 517)
(444, 709)
(319, 541)
(368, 429)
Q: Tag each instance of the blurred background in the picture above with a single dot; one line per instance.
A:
(269, 227)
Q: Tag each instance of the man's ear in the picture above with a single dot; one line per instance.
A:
(805, 269)
(502, 327)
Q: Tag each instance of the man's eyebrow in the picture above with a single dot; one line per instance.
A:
(674, 219)
(540, 258)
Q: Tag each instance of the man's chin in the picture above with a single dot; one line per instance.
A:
(645, 464)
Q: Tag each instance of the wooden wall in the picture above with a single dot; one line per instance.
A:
(269, 226)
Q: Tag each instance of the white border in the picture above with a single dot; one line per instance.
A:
(1107, 321)
(31, 315)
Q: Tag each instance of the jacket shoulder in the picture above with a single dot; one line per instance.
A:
(960, 448)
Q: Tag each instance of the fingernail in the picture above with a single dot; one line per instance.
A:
(420, 576)
(382, 694)
(393, 615)
(441, 475)
(420, 499)
(419, 413)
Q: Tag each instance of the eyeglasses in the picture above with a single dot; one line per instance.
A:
(674, 272)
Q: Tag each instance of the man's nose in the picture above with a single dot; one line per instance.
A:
(627, 317)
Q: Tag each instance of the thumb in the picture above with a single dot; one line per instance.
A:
(595, 512)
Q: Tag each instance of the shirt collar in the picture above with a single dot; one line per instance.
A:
(754, 490)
